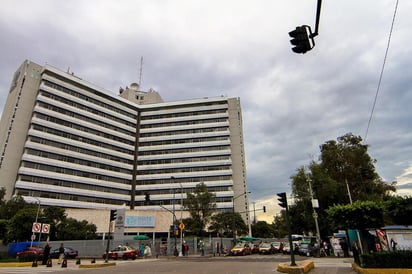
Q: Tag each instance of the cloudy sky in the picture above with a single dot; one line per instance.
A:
(292, 103)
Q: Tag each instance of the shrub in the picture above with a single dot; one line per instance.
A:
(392, 259)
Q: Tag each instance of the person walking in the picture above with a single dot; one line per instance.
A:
(46, 254)
(61, 253)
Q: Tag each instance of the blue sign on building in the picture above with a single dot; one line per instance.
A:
(140, 221)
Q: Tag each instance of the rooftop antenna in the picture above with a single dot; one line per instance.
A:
(141, 69)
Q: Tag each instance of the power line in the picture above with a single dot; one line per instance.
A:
(381, 75)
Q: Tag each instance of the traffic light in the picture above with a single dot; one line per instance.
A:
(113, 214)
(264, 208)
(301, 39)
(282, 199)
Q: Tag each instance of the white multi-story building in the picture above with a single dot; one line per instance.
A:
(69, 143)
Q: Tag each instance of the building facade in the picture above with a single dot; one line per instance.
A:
(68, 143)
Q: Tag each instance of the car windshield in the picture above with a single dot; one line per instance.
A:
(264, 245)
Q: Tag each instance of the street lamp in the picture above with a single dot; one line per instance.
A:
(181, 214)
(234, 221)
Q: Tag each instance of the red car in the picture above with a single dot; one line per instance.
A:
(241, 249)
(122, 252)
(29, 251)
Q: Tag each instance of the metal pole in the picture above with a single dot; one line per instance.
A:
(37, 217)
(181, 213)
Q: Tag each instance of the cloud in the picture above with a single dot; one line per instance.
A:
(291, 103)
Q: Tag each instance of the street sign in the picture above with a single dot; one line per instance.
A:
(45, 228)
(33, 237)
(182, 226)
(36, 227)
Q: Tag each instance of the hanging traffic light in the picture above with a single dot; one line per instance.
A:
(301, 39)
(113, 214)
(283, 202)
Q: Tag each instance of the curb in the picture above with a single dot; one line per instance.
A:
(361, 270)
(16, 264)
(96, 265)
(301, 267)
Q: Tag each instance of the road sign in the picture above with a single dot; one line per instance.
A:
(33, 237)
(45, 228)
(36, 227)
(182, 226)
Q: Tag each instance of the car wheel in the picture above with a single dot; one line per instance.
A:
(124, 257)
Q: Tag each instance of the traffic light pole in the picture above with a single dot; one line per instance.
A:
(316, 32)
(284, 204)
(292, 248)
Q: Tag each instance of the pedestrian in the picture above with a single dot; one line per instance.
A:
(61, 253)
(218, 248)
(147, 251)
(183, 249)
(202, 247)
(46, 254)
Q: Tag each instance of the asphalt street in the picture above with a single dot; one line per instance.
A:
(254, 264)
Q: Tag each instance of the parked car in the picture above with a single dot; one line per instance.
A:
(69, 253)
(278, 246)
(122, 252)
(241, 249)
(308, 247)
(255, 249)
(31, 252)
(266, 248)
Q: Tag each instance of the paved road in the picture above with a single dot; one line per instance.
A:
(195, 265)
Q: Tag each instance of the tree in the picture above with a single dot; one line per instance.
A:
(359, 215)
(73, 229)
(53, 215)
(263, 230)
(228, 223)
(344, 173)
(201, 206)
(279, 225)
(398, 210)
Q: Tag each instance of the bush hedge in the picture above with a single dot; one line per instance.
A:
(391, 259)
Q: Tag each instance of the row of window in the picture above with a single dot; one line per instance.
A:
(184, 170)
(81, 139)
(183, 150)
(86, 129)
(69, 197)
(68, 159)
(184, 123)
(184, 141)
(76, 185)
(184, 131)
(89, 99)
(185, 180)
(79, 173)
(182, 160)
(77, 105)
(183, 114)
(71, 148)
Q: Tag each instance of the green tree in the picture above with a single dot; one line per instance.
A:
(345, 172)
(262, 229)
(398, 210)
(72, 229)
(201, 206)
(279, 225)
(228, 223)
(53, 215)
(20, 225)
(359, 215)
